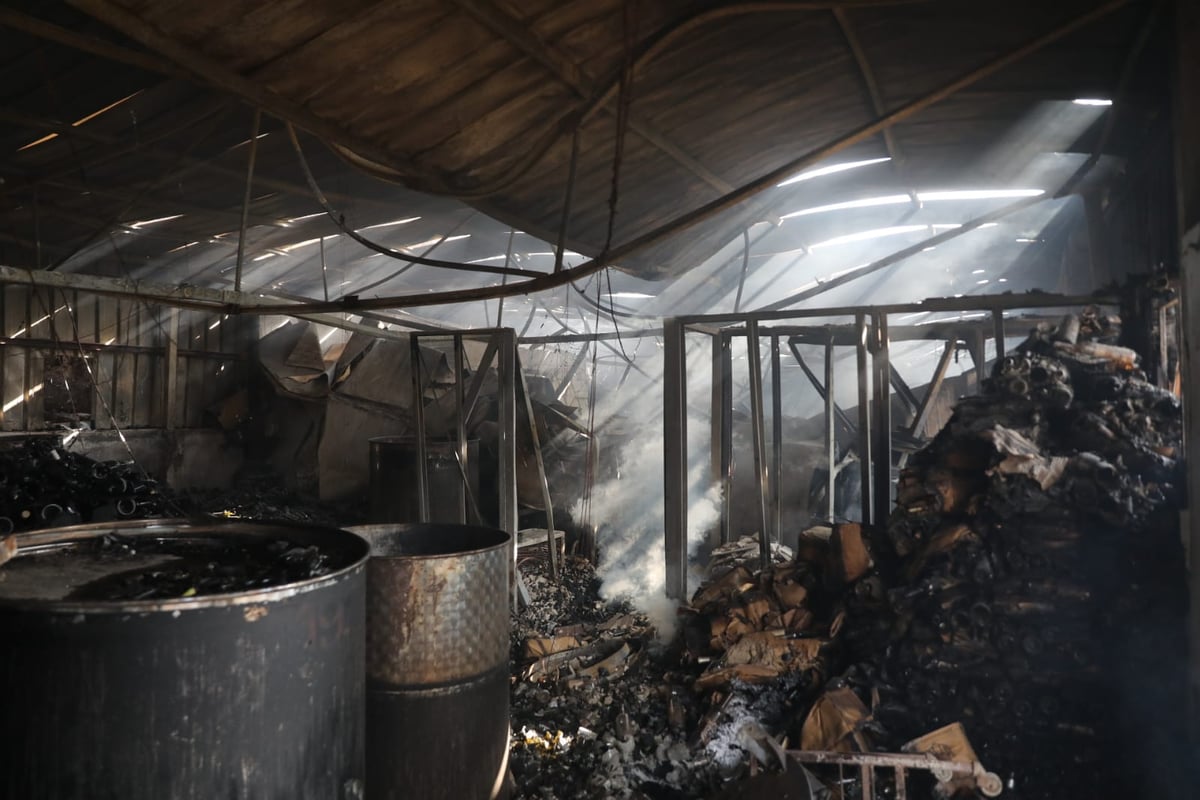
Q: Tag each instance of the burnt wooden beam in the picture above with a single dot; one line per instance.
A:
(88, 44)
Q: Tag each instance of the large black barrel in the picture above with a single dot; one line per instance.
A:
(437, 661)
(256, 693)
(394, 481)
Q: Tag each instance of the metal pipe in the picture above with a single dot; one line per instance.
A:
(675, 487)
(460, 427)
(727, 437)
(754, 360)
(527, 405)
(882, 449)
(172, 357)
(506, 356)
(864, 420)
(830, 435)
(776, 439)
(418, 403)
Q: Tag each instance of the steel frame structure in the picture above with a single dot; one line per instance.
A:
(501, 348)
(869, 331)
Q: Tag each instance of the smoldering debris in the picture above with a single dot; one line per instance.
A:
(261, 497)
(45, 485)
(1015, 628)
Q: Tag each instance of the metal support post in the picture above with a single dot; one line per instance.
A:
(675, 488)
(460, 427)
(506, 357)
(998, 332)
(418, 406)
(527, 406)
(723, 398)
(864, 418)
(881, 450)
(979, 356)
(776, 440)
(830, 434)
(754, 359)
(170, 399)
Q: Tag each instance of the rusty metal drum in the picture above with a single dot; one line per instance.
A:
(188, 694)
(437, 661)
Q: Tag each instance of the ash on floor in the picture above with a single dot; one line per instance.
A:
(601, 710)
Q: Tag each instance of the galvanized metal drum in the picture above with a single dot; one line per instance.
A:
(250, 694)
(437, 661)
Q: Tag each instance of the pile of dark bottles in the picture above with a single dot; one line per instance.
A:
(1030, 581)
(43, 485)
(200, 566)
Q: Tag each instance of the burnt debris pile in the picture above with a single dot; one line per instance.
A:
(44, 485)
(199, 567)
(1019, 616)
(1030, 579)
(598, 707)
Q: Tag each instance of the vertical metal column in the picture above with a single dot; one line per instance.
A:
(721, 422)
(979, 356)
(881, 450)
(716, 441)
(998, 331)
(830, 433)
(460, 427)
(170, 399)
(754, 360)
(506, 366)
(776, 440)
(675, 488)
(527, 406)
(863, 332)
(418, 406)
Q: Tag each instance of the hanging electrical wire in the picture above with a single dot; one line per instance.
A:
(340, 221)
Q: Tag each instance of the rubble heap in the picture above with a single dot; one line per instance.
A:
(598, 709)
(1027, 590)
(1030, 579)
(1021, 609)
(44, 485)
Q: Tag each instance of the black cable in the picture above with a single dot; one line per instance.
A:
(340, 221)
(620, 342)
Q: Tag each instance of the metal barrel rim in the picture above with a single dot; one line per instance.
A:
(53, 538)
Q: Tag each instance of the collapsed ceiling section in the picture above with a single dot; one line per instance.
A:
(804, 141)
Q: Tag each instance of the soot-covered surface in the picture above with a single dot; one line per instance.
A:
(620, 720)
(116, 567)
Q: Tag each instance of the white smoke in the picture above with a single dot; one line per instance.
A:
(628, 510)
